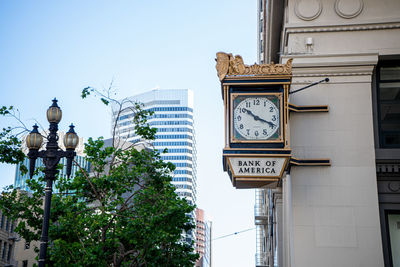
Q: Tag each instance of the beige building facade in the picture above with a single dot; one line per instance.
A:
(7, 241)
(347, 214)
(25, 255)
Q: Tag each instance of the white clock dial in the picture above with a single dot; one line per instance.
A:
(256, 118)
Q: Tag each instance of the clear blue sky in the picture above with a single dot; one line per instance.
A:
(55, 48)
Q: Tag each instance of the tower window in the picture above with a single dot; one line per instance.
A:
(388, 85)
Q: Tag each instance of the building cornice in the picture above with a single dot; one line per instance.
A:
(304, 28)
(326, 28)
(311, 65)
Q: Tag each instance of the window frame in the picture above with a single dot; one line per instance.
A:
(381, 152)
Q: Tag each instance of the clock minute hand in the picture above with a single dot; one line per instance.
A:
(268, 122)
(257, 118)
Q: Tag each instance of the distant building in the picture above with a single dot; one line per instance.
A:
(173, 118)
(203, 239)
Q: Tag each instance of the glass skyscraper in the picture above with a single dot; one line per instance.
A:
(173, 118)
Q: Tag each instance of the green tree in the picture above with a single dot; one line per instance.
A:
(124, 212)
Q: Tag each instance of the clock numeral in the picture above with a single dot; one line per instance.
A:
(271, 109)
(265, 132)
(256, 102)
(256, 133)
(241, 126)
(248, 104)
(248, 131)
(273, 118)
(239, 118)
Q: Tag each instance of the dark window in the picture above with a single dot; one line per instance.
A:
(388, 85)
(9, 252)
(27, 245)
(25, 263)
(393, 236)
(3, 256)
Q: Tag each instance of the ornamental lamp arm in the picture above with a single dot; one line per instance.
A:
(32, 155)
(69, 154)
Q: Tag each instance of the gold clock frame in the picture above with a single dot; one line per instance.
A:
(281, 114)
(228, 106)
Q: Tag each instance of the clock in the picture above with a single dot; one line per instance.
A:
(257, 117)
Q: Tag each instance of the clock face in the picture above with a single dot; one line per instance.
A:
(256, 117)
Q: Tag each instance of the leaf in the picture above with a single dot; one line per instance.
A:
(86, 91)
(105, 101)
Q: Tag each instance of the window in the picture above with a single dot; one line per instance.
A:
(177, 150)
(388, 96)
(27, 245)
(160, 130)
(182, 172)
(181, 179)
(171, 109)
(170, 123)
(176, 158)
(261, 46)
(393, 222)
(183, 165)
(172, 144)
(174, 136)
(3, 256)
(9, 252)
(25, 263)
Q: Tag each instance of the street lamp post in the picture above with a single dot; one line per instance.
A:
(51, 157)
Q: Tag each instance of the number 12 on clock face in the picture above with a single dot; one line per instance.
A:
(257, 117)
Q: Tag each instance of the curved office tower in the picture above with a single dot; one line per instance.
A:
(173, 118)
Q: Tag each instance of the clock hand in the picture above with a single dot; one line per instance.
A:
(251, 113)
(257, 118)
(268, 122)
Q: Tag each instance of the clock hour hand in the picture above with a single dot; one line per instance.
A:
(257, 118)
(251, 113)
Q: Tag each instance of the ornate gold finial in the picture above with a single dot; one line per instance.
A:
(228, 65)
